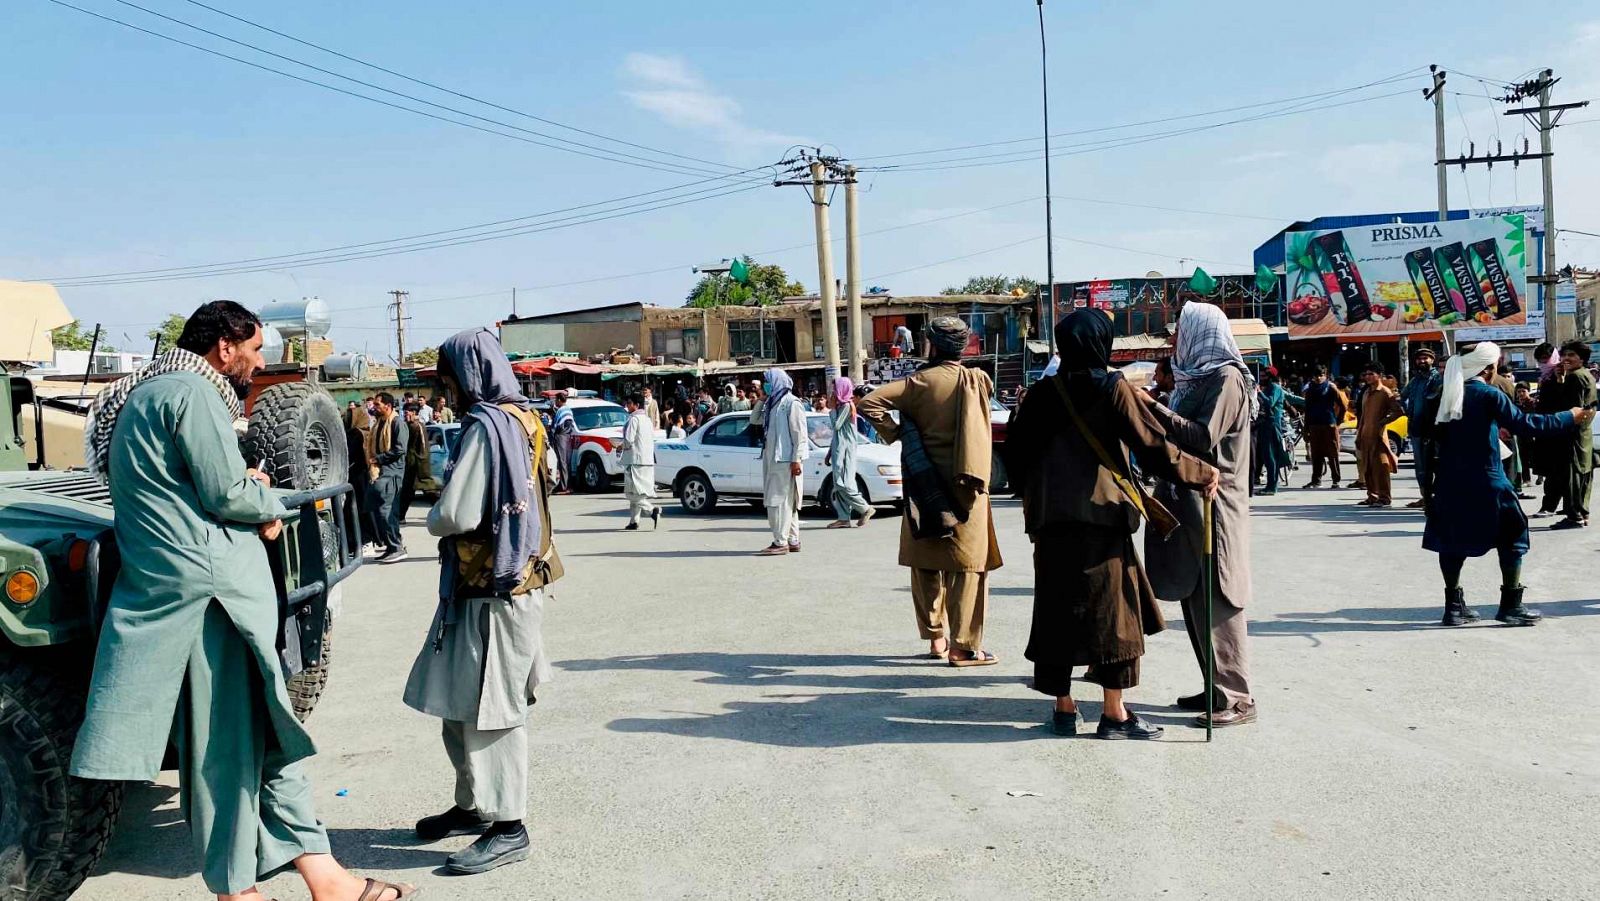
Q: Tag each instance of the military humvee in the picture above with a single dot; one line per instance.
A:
(58, 561)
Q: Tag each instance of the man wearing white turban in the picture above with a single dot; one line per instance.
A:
(1474, 507)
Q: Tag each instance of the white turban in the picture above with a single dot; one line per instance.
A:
(1456, 372)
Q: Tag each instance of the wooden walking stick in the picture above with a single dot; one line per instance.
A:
(1210, 563)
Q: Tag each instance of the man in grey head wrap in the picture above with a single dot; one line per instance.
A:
(485, 652)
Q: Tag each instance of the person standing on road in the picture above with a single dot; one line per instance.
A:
(1325, 409)
(784, 450)
(1571, 459)
(389, 439)
(358, 444)
(563, 428)
(1067, 451)
(187, 651)
(946, 406)
(638, 459)
(1474, 507)
(651, 409)
(1379, 407)
(1271, 451)
(849, 506)
(417, 464)
(441, 412)
(1210, 417)
(1424, 384)
(484, 655)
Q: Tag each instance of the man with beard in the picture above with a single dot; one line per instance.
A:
(1571, 459)
(417, 463)
(188, 647)
(389, 441)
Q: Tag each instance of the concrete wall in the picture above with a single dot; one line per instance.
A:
(532, 337)
(600, 337)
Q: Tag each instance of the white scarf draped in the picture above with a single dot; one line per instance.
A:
(1457, 370)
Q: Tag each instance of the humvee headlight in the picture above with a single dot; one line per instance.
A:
(22, 587)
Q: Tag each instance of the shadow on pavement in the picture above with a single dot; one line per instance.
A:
(796, 670)
(386, 850)
(148, 841)
(1400, 619)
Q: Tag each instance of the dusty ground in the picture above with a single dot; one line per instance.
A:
(759, 728)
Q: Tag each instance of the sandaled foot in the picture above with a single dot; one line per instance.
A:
(973, 658)
(772, 550)
(865, 517)
(937, 649)
(840, 524)
(377, 890)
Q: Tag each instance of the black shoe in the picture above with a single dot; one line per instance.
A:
(493, 849)
(1197, 702)
(655, 518)
(1569, 523)
(631, 527)
(1456, 611)
(454, 821)
(1130, 728)
(1064, 723)
(393, 555)
(1511, 612)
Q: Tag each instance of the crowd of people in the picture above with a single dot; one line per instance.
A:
(1082, 448)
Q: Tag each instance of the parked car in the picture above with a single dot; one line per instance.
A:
(594, 448)
(442, 438)
(722, 460)
(999, 419)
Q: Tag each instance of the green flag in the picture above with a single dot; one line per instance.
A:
(1202, 282)
(1266, 279)
(739, 272)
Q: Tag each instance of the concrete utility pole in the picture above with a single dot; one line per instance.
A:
(400, 317)
(852, 270)
(1436, 94)
(1049, 307)
(830, 308)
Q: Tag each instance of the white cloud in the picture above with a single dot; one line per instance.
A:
(668, 88)
(1263, 156)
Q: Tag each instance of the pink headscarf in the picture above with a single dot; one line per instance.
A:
(843, 390)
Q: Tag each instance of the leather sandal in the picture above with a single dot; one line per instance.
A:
(978, 658)
(375, 889)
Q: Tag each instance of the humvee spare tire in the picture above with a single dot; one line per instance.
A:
(53, 827)
(297, 429)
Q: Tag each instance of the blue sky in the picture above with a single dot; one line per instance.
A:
(124, 152)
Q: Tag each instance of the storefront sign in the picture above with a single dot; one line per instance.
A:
(1374, 280)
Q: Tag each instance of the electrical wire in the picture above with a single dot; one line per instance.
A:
(346, 247)
(607, 156)
(1159, 121)
(967, 256)
(454, 93)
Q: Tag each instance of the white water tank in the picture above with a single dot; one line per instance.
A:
(271, 344)
(308, 317)
(346, 366)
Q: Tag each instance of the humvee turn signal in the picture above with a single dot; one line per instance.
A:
(22, 587)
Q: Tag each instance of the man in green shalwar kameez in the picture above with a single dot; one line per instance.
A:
(188, 647)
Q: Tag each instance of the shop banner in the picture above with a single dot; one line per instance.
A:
(1371, 280)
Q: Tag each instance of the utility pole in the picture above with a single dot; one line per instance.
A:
(852, 270)
(513, 303)
(1436, 94)
(1049, 309)
(830, 308)
(400, 317)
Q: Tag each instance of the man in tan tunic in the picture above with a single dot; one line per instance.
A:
(949, 405)
(1379, 407)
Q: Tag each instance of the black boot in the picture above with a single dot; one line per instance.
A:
(1512, 613)
(1456, 611)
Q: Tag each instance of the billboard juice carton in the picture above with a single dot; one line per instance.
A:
(1347, 293)
(1429, 283)
(1452, 258)
(1486, 256)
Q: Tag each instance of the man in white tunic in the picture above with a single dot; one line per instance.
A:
(484, 655)
(638, 458)
(783, 457)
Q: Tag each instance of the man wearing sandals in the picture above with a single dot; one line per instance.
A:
(188, 647)
(949, 405)
(484, 654)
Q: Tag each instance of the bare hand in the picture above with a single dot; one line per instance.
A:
(271, 530)
(1582, 416)
(1213, 484)
(259, 476)
(794, 469)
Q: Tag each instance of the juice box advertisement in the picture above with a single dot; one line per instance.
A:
(1396, 278)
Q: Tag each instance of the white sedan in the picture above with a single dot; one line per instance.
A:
(722, 459)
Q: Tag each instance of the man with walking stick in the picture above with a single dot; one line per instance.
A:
(1206, 564)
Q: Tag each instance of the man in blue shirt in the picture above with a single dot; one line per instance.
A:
(1325, 409)
(1424, 383)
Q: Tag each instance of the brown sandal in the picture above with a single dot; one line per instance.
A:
(375, 889)
(978, 658)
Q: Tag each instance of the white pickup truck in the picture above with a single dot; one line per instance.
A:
(722, 460)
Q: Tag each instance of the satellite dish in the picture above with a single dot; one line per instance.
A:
(1154, 274)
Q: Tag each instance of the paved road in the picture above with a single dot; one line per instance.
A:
(759, 728)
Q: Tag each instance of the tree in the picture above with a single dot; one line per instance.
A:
(168, 331)
(428, 356)
(72, 337)
(995, 284)
(767, 284)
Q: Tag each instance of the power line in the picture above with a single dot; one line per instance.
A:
(289, 257)
(1159, 121)
(454, 93)
(611, 155)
